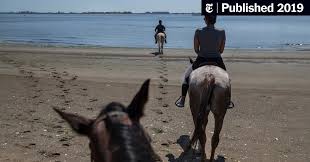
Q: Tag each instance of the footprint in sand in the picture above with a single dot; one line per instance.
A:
(165, 144)
(164, 79)
(66, 90)
(165, 121)
(157, 111)
(22, 71)
(32, 111)
(93, 100)
(65, 73)
(158, 130)
(61, 96)
(66, 144)
(68, 101)
(57, 126)
(35, 119)
(84, 94)
(74, 78)
(34, 85)
(159, 98)
(60, 86)
(165, 105)
(163, 92)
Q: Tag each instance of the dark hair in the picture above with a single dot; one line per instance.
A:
(160, 21)
(210, 19)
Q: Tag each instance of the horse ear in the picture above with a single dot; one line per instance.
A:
(136, 107)
(191, 60)
(79, 124)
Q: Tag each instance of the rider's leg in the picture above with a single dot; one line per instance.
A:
(155, 36)
(185, 85)
(221, 64)
(165, 37)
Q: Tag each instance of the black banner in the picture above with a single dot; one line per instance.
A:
(255, 7)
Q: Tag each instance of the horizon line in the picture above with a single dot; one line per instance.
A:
(68, 12)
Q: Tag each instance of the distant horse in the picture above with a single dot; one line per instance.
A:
(116, 134)
(209, 90)
(160, 42)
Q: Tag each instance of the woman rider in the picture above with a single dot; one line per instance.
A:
(209, 44)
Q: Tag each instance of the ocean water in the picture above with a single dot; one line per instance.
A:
(137, 30)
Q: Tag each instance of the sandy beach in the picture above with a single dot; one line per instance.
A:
(270, 89)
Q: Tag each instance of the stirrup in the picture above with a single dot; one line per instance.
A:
(178, 104)
(231, 105)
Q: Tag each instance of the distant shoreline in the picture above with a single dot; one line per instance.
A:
(44, 45)
(108, 13)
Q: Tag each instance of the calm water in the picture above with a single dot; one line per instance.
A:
(138, 30)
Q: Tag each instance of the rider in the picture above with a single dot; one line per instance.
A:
(209, 44)
(160, 29)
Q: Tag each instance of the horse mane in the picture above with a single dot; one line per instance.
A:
(132, 145)
(130, 142)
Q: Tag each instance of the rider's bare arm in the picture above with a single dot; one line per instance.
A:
(196, 42)
(222, 46)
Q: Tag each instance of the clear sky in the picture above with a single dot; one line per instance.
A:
(100, 5)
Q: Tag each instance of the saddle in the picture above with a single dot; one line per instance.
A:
(195, 66)
(207, 63)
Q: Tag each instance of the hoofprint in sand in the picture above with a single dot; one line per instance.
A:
(270, 90)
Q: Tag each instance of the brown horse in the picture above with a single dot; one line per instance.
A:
(116, 134)
(160, 37)
(209, 90)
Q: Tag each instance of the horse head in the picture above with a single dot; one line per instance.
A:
(116, 134)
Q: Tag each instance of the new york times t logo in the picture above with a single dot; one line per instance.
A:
(209, 7)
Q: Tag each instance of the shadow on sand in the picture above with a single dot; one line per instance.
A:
(156, 53)
(192, 155)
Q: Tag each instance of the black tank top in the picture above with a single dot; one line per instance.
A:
(160, 28)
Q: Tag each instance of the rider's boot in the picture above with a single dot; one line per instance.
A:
(181, 100)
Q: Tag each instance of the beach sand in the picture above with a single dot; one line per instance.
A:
(270, 89)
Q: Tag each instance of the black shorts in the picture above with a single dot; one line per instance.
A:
(201, 60)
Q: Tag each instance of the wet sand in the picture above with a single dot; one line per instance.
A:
(270, 89)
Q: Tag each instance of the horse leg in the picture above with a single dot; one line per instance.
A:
(203, 137)
(217, 130)
(158, 43)
(194, 106)
(162, 48)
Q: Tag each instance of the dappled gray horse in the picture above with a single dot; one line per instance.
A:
(209, 90)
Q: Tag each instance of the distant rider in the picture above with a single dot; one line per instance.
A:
(160, 29)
